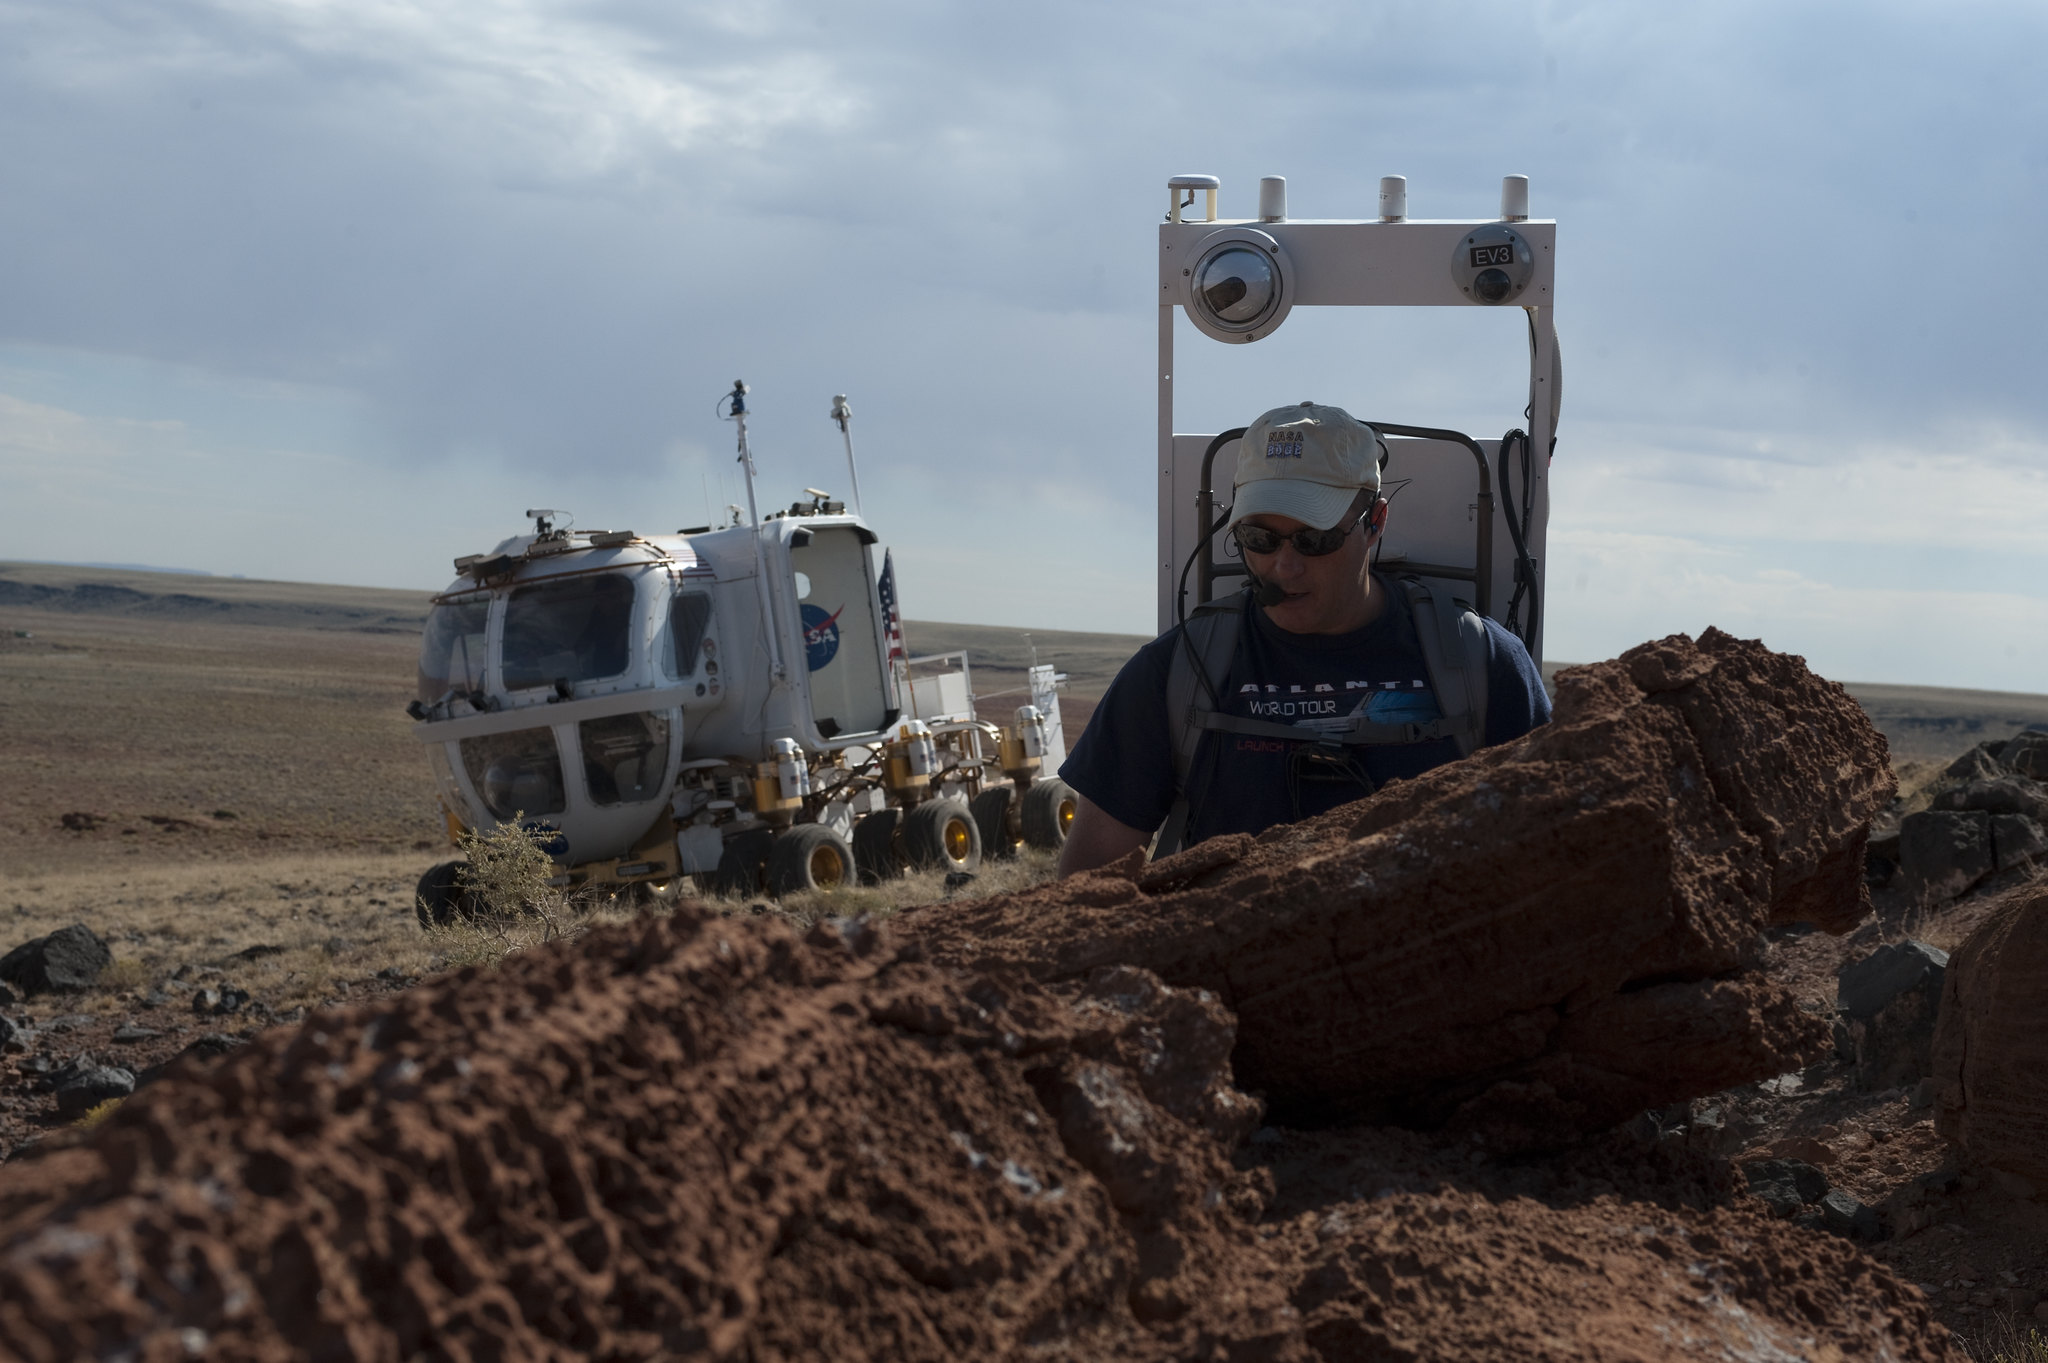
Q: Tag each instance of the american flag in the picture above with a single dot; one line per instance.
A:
(892, 618)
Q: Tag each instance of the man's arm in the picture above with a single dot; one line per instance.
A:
(1096, 839)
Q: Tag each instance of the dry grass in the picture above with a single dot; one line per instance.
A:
(191, 742)
(1030, 867)
(287, 930)
(1919, 782)
(2004, 1340)
(296, 931)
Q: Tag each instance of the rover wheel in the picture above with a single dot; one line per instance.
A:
(1048, 813)
(741, 864)
(874, 847)
(440, 898)
(992, 816)
(809, 856)
(939, 835)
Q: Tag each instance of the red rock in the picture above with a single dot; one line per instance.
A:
(1991, 1041)
(1540, 940)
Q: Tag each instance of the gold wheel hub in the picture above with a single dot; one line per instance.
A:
(827, 870)
(958, 839)
(1066, 816)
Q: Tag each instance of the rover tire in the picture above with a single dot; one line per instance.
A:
(874, 847)
(440, 898)
(1048, 813)
(809, 856)
(992, 816)
(741, 864)
(940, 835)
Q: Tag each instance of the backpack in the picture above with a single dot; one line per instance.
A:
(1454, 652)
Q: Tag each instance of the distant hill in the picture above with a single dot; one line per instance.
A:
(1921, 722)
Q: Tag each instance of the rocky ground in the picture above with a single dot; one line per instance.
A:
(966, 1190)
(1145, 1113)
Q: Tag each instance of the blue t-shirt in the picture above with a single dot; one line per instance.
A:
(1238, 783)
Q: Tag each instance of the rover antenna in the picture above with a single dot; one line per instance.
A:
(843, 415)
(738, 410)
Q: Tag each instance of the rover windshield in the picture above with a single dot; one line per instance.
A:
(452, 649)
(568, 630)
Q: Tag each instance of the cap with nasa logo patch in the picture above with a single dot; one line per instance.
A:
(1305, 462)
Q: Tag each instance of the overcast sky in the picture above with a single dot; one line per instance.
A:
(334, 291)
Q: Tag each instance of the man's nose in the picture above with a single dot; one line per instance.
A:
(1287, 561)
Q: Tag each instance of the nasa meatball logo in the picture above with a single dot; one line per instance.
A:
(821, 636)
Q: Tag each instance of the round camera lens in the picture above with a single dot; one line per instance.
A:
(1237, 284)
(1493, 285)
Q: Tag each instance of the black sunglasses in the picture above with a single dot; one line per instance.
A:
(1309, 543)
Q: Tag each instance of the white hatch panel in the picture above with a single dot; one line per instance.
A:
(836, 600)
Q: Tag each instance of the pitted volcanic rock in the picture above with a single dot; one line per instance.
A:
(1540, 940)
(711, 1139)
(1991, 1041)
(705, 1139)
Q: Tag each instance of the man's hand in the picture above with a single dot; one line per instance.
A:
(1096, 839)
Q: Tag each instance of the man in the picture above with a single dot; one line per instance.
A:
(1326, 689)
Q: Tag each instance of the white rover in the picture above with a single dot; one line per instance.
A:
(732, 704)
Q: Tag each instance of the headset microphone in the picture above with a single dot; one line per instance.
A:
(1267, 593)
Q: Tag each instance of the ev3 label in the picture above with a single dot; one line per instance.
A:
(1503, 254)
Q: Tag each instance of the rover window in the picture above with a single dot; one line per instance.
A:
(518, 774)
(570, 629)
(452, 649)
(624, 757)
(688, 617)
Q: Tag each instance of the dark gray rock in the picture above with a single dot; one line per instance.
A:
(7, 997)
(1881, 859)
(13, 1036)
(1978, 764)
(2016, 840)
(1946, 851)
(2009, 794)
(91, 1086)
(227, 999)
(2026, 754)
(212, 1046)
(1785, 1185)
(1863, 988)
(1845, 1216)
(1889, 1002)
(128, 1033)
(68, 960)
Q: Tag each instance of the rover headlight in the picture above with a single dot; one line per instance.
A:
(1240, 285)
(1493, 264)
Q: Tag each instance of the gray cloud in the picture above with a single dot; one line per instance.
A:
(549, 235)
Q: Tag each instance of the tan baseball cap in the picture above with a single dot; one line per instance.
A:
(1307, 462)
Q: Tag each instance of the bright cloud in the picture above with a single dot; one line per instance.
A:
(428, 252)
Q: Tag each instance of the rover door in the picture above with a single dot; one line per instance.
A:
(835, 592)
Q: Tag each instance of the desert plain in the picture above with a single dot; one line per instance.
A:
(217, 776)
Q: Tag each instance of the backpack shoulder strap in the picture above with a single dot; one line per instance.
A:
(1201, 664)
(1454, 650)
